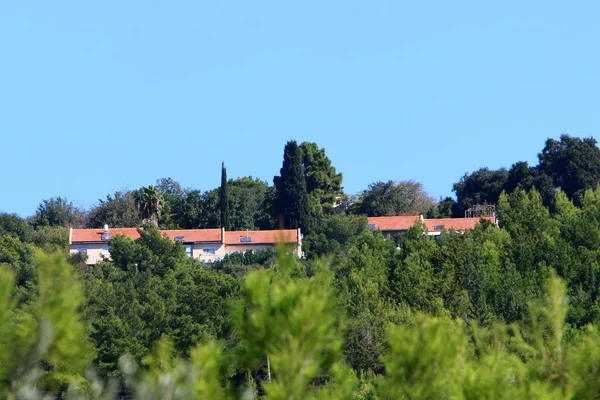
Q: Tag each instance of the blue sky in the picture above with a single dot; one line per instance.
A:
(101, 96)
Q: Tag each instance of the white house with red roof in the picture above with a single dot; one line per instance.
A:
(205, 245)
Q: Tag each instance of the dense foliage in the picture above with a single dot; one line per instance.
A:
(224, 199)
(291, 197)
(570, 164)
(497, 312)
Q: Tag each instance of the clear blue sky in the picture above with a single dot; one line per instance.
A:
(101, 96)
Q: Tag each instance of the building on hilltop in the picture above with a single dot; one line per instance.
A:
(205, 245)
(433, 226)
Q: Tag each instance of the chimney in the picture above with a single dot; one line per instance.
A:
(105, 228)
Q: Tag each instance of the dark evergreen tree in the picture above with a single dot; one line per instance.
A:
(291, 196)
(573, 164)
(224, 199)
(522, 176)
(479, 187)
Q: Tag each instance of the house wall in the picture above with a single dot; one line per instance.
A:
(199, 254)
(242, 248)
(94, 251)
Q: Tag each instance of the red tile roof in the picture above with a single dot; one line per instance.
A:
(190, 235)
(95, 235)
(262, 237)
(455, 224)
(195, 235)
(396, 223)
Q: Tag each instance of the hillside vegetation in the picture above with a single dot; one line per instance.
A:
(497, 312)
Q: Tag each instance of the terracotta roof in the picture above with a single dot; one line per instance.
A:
(190, 235)
(456, 224)
(95, 235)
(396, 223)
(195, 235)
(261, 237)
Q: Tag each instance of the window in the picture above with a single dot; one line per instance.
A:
(82, 250)
(106, 236)
(188, 249)
(438, 227)
(209, 251)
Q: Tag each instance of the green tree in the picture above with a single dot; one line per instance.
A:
(425, 362)
(412, 273)
(247, 203)
(522, 176)
(187, 212)
(334, 234)
(224, 199)
(363, 289)
(172, 197)
(58, 212)
(291, 197)
(445, 207)
(323, 183)
(149, 202)
(394, 198)
(43, 346)
(573, 164)
(19, 258)
(524, 216)
(211, 215)
(165, 292)
(480, 187)
(117, 211)
(52, 239)
(12, 224)
(290, 325)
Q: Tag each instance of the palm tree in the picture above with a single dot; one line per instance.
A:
(149, 202)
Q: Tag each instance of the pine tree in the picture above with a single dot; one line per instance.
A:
(291, 196)
(224, 199)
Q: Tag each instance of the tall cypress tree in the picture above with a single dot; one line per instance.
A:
(291, 196)
(224, 199)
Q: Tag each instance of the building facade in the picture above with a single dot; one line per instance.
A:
(204, 245)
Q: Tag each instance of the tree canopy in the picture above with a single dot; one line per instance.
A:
(394, 198)
(572, 163)
(323, 183)
(507, 311)
(149, 202)
(569, 164)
